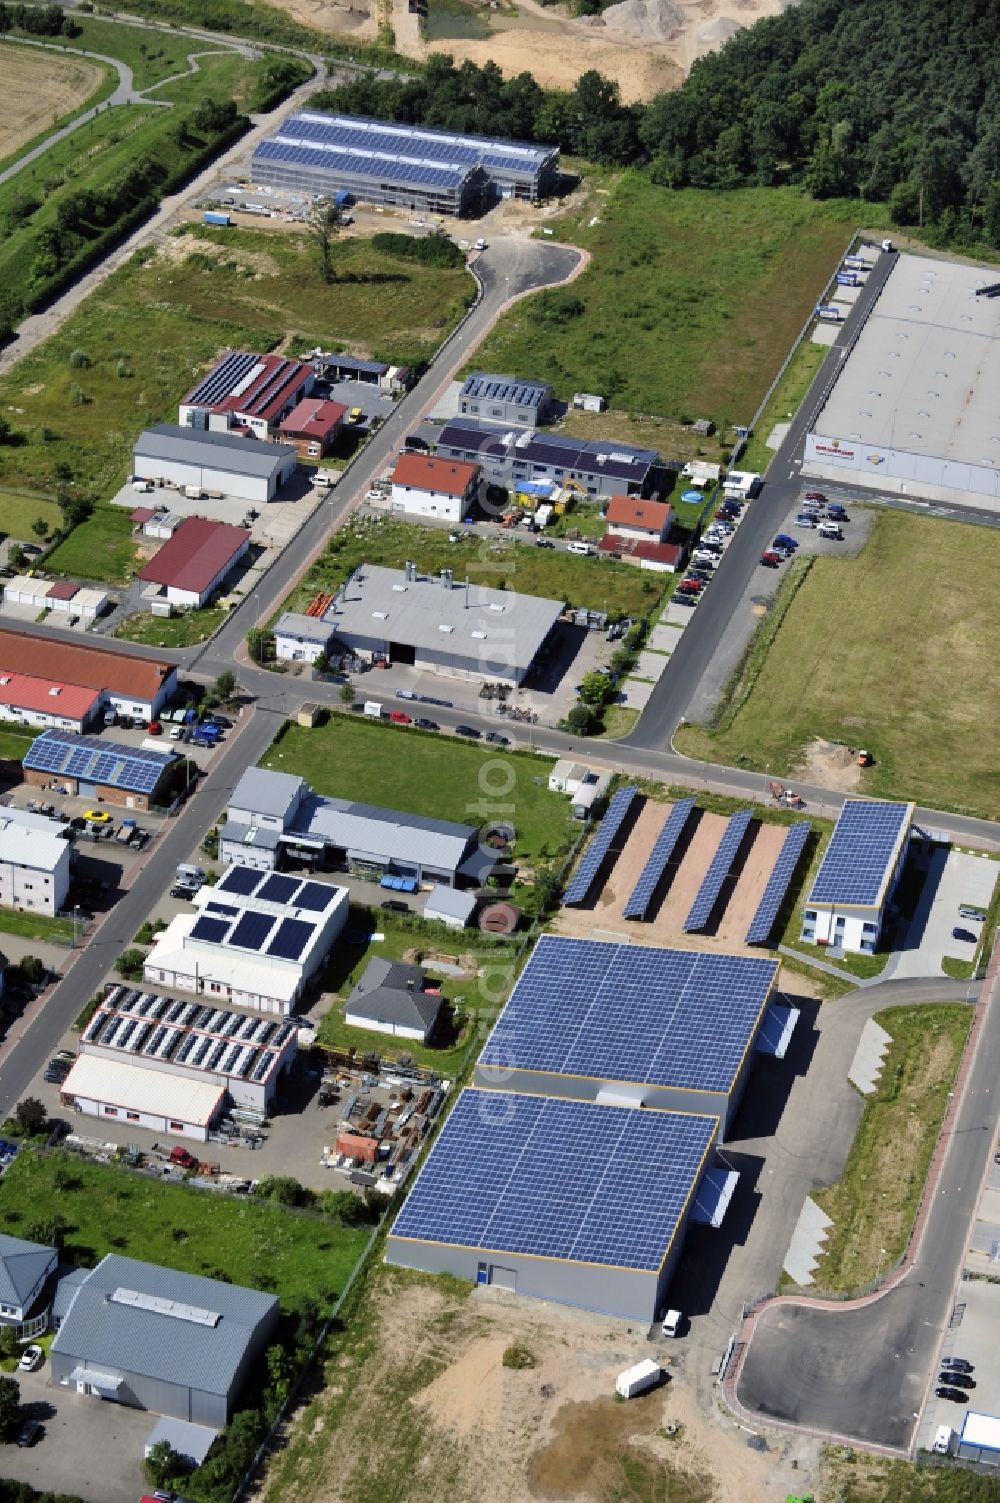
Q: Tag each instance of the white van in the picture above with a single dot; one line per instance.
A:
(584, 548)
(944, 1439)
(829, 530)
(373, 708)
(672, 1323)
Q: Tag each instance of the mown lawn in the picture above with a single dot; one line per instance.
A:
(151, 54)
(890, 650)
(103, 548)
(499, 562)
(435, 775)
(174, 631)
(14, 744)
(38, 926)
(690, 303)
(874, 1202)
(19, 509)
(159, 322)
(243, 1241)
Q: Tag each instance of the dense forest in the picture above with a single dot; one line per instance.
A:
(894, 100)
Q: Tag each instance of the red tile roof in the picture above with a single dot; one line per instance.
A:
(656, 553)
(142, 514)
(312, 418)
(88, 667)
(273, 386)
(25, 692)
(63, 589)
(447, 477)
(196, 554)
(632, 511)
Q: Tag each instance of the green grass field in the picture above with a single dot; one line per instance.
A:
(100, 548)
(152, 54)
(874, 1202)
(175, 631)
(36, 926)
(14, 744)
(852, 1477)
(247, 1241)
(784, 403)
(890, 650)
(435, 775)
(154, 325)
(19, 509)
(690, 303)
(500, 562)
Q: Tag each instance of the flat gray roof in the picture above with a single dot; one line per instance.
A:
(305, 628)
(466, 621)
(244, 456)
(264, 791)
(925, 372)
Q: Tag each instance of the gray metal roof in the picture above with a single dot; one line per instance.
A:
(66, 1289)
(119, 1337)
(304, 628)
(395, 974)
(21, 1266)
(267, 792)
(244, 456)
(488, 387)
(492, 626)
(581, 456)
(387, 834)
(383, 994)
(188, 1440)
(262, 837)
(451, 902)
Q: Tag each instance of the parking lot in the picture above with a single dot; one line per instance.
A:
(972, 1336)
(89, 1449)
(954, 879)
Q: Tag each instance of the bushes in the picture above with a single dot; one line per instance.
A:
(430, 250)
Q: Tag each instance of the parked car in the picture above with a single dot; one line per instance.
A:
(958, 1363)
(468, 730)
(836, 512)
(954, 1376)
(770, 559)
(355, 415)
(395, 906)
(956, 1395)
(29, 1433)
(495, 738)
(423, 724)
(815, 496)
(177, 733)
(400, 717)
(416, 442)
(183, 1157)
(701, 574)
(155, 728)
(31, 1359)
(831, 531)
(806, 519)
(703, 556)
(965, 935)
(544, 543)
(784, 541)
(679, 598)
(690, 587)
(97, 817)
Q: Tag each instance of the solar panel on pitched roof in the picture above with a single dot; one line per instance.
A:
(251, 931)
(315, 896)
(240, 879)
(278, 889)
(773, 895)
(291, 939)
(210, 929)
(718, 870)
(641, 895)
(593, 856)
(857, 860)
(558, 1179)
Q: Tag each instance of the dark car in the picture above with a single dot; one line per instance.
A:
(495, 738)
(957, 1378)
(423, 724)
(701, 574)
(770, 559)
(29, 1432)
(416, 442)
(683, 599)
(958, 1363)
(957, 1395)
(220, 721)
(836, 512)
(965, 935)
(544, 543)
(468, 730)
(806, 519)
(395, 906)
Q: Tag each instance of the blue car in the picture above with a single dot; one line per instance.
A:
(784, 541)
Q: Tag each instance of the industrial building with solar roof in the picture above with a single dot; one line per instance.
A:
(570, 1201)
(411, 166)
(851, 895)
(603, 467)
(636, 1025)
(112, 772)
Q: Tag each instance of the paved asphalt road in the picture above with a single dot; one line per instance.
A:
(864, 1371)
(676, 686)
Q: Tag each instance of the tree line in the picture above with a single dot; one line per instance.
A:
(38, 21)
(897, 102)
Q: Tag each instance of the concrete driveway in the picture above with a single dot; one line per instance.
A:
(953, 878)
(89, 1449)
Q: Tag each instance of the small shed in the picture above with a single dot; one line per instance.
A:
(190, 1442)
(451, 906)
(308, 714)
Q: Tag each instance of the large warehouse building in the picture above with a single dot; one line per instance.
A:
(914, 407)
(850, 897)
(633, 1025)
(509, 456)
(560, 1200)
(113, 772)
(131, 685)
(379, 161)
(228, 464)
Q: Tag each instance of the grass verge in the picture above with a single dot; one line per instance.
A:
(173, 631)
(867, 653)
(39, 926)
(784, 403)
(14, 744)
(874, 1202)
(246, 1241)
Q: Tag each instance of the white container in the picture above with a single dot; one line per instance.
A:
(636, 1380)
(373, 708)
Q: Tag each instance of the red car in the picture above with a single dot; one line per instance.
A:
(816, 496)
(400, 717)
(689, 587)
(771, 560)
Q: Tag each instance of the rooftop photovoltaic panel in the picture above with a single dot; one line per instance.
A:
(240, 879)
(211, 929)
(558, 1179)
(718, 871)
(590, 864)
(278, 889)
(314, 896)
(291, 939)
(773, 895)
(631, 1013)
(641, 895)
(93, 760)
(251, 931)
(861, 853)
(230, 371)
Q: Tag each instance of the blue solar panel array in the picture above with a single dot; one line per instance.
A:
(773, 895)
(278, 889)
(240, 879)
(291, 939)
(586, 873)
(211, 929)
(635, 1013)
(641, 895)
(251, 931)
(93, 760)
(275, 887)
(860, 854)
(366, 135)
(359, 165)
(230, 371)
(558, 1179)
(718, 871)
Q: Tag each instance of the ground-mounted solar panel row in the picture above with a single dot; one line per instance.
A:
(593, 857)
(641, 896)
(719, 868)
(778, 883)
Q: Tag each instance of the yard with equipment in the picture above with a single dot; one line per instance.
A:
(874, 1202)
(243, 1241)
(503, 562)
(708, 290)
(868, 652)
(42, 89)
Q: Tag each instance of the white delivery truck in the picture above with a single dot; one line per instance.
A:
(194, 493)
(638, 1379)
(373, 708)
(944, 1441)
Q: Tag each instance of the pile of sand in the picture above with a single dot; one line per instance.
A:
(712, 34)
(649, 20)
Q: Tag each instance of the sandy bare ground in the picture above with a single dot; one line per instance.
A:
(472, 1428)
(749, 886)
(38, 89)
(830, 765)
(354, 18)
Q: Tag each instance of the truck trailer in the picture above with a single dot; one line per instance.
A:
(638, 1379)
(224, 221)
